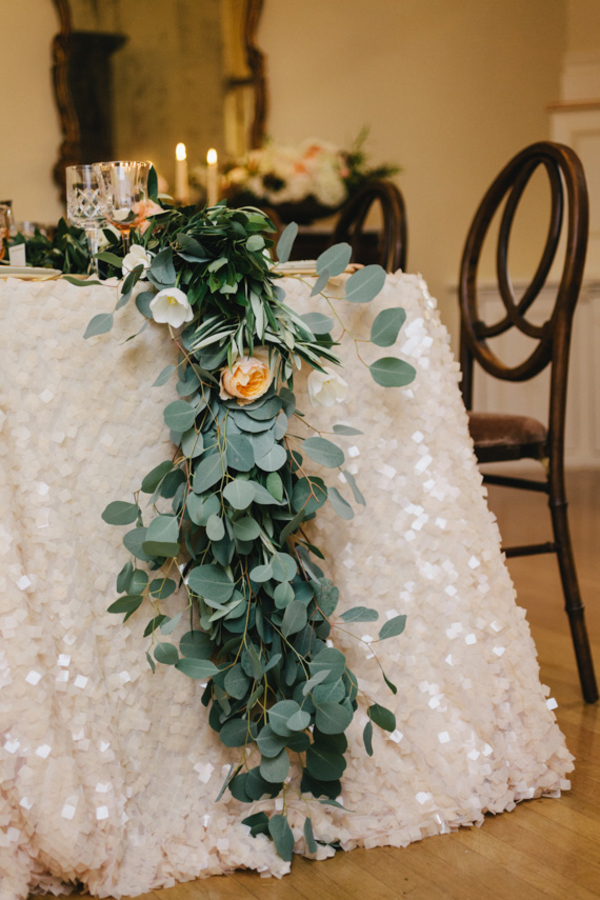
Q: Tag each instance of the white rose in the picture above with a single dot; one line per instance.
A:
(137, 256)
(171, 307)
(326, 388)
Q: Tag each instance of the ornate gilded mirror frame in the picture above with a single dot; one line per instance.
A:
(70, 148)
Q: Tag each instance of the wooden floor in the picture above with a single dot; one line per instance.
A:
(544, 848)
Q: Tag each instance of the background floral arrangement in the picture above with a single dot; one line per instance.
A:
(310, 181)
(222, 520)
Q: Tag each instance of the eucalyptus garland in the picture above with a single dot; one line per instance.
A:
(223, 519)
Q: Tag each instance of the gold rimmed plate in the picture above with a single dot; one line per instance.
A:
(29, 273)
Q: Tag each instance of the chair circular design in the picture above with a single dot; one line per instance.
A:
(564, 170)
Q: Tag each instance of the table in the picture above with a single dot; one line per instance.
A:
(108, 773)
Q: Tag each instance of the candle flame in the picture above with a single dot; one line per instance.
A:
(211, 157)
(180, 151)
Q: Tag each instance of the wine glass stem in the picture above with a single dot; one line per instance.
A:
(126, 234)
(91, 233)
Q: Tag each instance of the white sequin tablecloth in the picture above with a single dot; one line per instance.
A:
(108, 774)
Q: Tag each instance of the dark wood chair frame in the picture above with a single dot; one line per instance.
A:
(564, 170)
(393, 240)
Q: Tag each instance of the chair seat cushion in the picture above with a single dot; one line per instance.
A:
(506, 436)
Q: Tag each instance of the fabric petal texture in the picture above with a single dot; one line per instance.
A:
(109, 773)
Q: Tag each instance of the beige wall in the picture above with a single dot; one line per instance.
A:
(450, 88)
(583, 32)
(29, 131)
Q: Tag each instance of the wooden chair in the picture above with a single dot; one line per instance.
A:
(499, 437)
(388, 247)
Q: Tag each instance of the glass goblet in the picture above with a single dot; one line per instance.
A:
(124, 192)
(84, 208)
(5, 220)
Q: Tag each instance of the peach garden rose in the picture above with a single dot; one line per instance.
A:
(248, 378)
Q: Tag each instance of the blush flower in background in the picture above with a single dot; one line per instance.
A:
(247, 380)
(326, 388)
(171, 307)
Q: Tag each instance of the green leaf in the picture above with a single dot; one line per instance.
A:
(164, 375)
(330, 659)
(284, 567)
(239, 452)
(309, 837)
(169, 625)
(258, 823)
(99, 325)
(345, 429)
(255, 242)
(286, 242)
(317, 322)
(314, 681)
(124, 577)
(211, 582)
(341, 506)
(235, 733)
(294, 618)
(246, 529)
(354, 487)
(134, 541)
(324, 764)
(386, 326)
(215, 529)
(309, 494)
(331, 718)
(200, 509)
(365, 284)
(279, 714)
(154, 477)
(382, 717)
(237, 682)
(275, 485)
(120, 513)
(179, 415)
(197, 668)
(321, 282)
(360, 614)
(323, 452)
(392, 627)
(368, 738)
(389, 683)
(261, 573)
(273, 460)
(392, 372)
(166, 653)
(192, 443)
(275, 768)
(127, 604)
(292, 526)
(270, 743)
(335, 259)
(239, 493)
(283, 594)
(196, 645)
(208, 473)
(161, 588)
(280, 831)
(299, 721)
(110, 258)
(162, 537)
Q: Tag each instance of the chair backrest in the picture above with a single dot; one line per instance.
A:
(565, 174)
(389, 247)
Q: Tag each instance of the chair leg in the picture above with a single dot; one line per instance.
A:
(573, 604)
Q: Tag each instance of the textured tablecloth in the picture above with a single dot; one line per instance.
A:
(108, 773)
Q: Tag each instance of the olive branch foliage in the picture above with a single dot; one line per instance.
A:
(223, 518)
